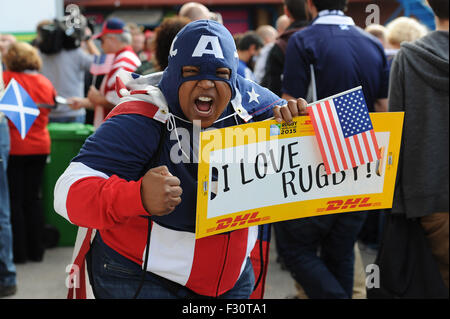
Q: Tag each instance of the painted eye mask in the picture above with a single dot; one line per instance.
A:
(205, 44)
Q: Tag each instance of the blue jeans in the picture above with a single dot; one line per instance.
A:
(114, 276)
(319, 252)
(7, 267)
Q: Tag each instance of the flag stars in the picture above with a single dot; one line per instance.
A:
(253, 96)
(352, 113)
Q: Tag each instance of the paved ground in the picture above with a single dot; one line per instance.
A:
(46, 280)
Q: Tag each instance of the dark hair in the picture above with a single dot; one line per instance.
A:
(164, 35)
(330, 4)
(297, 8)
(440, 8)
(249, 38)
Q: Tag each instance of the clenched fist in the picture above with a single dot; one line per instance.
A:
(294, 108)
(160, 191)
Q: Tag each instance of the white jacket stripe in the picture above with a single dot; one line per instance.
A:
(251, 241)
(73, 173)
(171, 253)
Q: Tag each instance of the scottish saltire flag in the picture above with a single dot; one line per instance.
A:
(102, 64)
(18, 106)
(344, 131)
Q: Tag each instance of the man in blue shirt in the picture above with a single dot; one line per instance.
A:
(330, 56)
(248, 46)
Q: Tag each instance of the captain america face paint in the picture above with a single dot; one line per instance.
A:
(201, 75)
(204, 100)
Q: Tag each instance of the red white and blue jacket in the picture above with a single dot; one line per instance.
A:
(101, 190)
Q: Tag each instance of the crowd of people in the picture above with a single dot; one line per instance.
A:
(120, 175)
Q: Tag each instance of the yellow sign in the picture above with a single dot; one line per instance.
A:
(267, 172)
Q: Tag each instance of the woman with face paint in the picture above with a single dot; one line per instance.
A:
(108, 188)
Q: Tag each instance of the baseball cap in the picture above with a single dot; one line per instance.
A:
(111, 26)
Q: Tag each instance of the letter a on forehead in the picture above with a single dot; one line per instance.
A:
(201, 47)
(173, 52)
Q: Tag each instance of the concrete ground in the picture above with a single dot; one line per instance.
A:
(46, 280)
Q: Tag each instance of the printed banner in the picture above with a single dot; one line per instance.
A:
(267, 172)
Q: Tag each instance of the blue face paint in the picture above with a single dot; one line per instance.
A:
(205, 44)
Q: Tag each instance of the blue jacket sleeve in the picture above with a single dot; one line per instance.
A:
(123, 145)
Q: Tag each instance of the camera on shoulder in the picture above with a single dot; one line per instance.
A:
(61, 34)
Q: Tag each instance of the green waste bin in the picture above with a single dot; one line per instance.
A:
(67, 140)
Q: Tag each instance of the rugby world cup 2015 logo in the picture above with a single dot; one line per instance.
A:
(275, 129)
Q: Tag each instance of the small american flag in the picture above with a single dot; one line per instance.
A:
(344, 131)
(102, 64)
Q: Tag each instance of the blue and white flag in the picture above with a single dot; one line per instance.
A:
(18, 106)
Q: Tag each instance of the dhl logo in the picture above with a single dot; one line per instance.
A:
(239, 220)
(359, 202)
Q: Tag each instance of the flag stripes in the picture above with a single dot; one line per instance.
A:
(333, 122)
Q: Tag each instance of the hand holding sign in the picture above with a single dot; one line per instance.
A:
(160, 191)
(293, 109)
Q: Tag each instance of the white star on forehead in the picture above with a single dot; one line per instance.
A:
(253, 96)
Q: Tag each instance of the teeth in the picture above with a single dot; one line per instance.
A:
(205, 99)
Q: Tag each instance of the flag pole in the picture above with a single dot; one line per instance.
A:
(94, 79)
(336, 95)
(322, 100)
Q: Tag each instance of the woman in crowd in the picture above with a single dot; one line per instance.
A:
(28, 155)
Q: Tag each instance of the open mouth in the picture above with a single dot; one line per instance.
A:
(204, 105)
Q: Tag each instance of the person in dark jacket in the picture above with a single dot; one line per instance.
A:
(419, 87)
(296, 11)
(329, 56)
